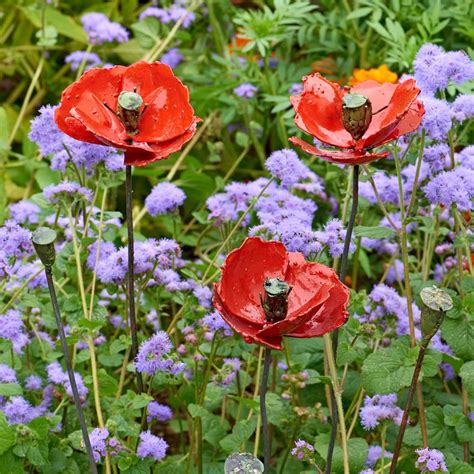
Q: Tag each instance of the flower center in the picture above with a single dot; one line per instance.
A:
(128, 110)
(275, 300)
(356, 114)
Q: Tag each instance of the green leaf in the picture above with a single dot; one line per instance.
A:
(465, 429)
(240, 434)
(64, 24)
(7, 434)
(197, 410)
(467, 376)
(359, 13)
(459, 334)
(358, 450)
(147, 32)
(373, 232)
(10, 389)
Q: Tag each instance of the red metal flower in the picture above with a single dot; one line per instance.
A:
(315, 303)
(142, 109)
(391, 110)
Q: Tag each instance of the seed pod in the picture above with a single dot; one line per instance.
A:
(129, 104)
(43, 241)
(436, 303)
(275, 301)
(356, 114)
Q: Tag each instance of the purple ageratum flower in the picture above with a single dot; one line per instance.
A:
(24, 212)
(153, 356)
(57, 376)
(287, 167)
(246, 90)
(18, 410)
(454, 187)
(151, 446)
(15, 241)
(159, 412)
(101, 30)
(66, 190)
(106, 249)
(387, 187)
(76, 58)
(98, 437)
(463, 107)
(5, 268)
(380, 408)
(430, 460)
(214, 322)
(438, 118)
(13, 329)
(437, 156)
(448, 371)
(333, 237)
(203, 295)
(160, 13)
(466, 157)
(395, 273)
(296, 88)
(7, 374)
(375, 453)
(302, 450)
(33, 382)
(45, 133)
(434, 68)
(173, 58)
(176, 12)
(163, 199)
(81, 388)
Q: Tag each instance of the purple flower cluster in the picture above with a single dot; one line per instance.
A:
(213, 323)
(228, 371)
(57, 376)
(15, 241)
(76, 58)
(13, 330)
(430, 460)
(438, 118)
(151, 446)
(173, 58)
(66, 191)
(303, 450)
(101, 30)
(170, 15)
(159, 412)
(245, 90)
(434, 68)
(164, 198)
(33, 382)
(375, 453)
(19, 410)
(380, 408)
(463, 107)
(153, 356)
(7, 374)
(454, 187)
(98, 437)
(24, 212)
(333, 237)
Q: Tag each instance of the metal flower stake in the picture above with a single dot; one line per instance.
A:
(142, 109)
(436, 302)
(43, 241)
(355, 121)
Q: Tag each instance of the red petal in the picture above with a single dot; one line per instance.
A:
(244, 272)
(76, 129)
(378, 94)
(384, 123)
(350, 157)
(243, 327)
(142, 153)
(330, 316)
(319, 111)
(104, 83)
(410, 122)
(168, 113)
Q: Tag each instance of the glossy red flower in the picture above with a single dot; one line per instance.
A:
(319, 112)
(142, 109)
(316, 303)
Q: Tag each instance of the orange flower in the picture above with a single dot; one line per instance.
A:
(381, 74)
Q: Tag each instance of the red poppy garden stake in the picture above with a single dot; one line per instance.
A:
(266, 293)
(43, 241)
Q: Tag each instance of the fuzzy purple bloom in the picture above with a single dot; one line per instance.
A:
(66, 190)
(18, 410)
(15, 241)
(76, 58)
(287, 167)
(375, 453)
(302, 450)
(438, 117)
(159, 412)
(380, 408)
(24, 212)
(214, 322)
(463, 107)
(45, 133)
(173, 58)
(33, 382)
(13, 329)
(151, 446)
(101, 30)
(430, 460)
(163, 199)
(7, 374)
(98, 437)
(246, 90)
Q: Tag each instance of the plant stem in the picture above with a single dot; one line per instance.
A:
(465, 410)
(263, 410)
(131, 272)
(411, 394)
(335, 333)
(70, 372)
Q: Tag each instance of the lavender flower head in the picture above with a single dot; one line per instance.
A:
(15, 241)
(7, 374)
(13, 329)
(163, 199)
(463, 107)
(66, 191)
(168, 15)
(430, 460)
(287, 167)
(18, 410)
(151, 446)
(214, 322)
(375, 453)
(76, 58)
(33, 382)
(173, 58)
(246, 90)
(438, 117)
(333, 237)
(24, 212)
(45, 133)
(153, 356)
(380, 408)
(303, 450)
(101, 30)
(159, 412)
(98, 437)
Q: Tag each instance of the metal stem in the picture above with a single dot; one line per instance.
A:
(131, 271)
(70, 372)
(335, 333)
(263, 410)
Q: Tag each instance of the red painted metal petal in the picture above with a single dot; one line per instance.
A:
(331, 315)
(310, 289)
(410, 122)
(378, 94)
(384, 123)
(75, 129)
(104, 83)
(319, 111)
(140, 154)
(349, 157)
(246, 329)
(244, 272)
(168, 113)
